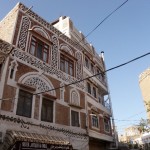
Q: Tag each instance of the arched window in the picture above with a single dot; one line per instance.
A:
(75, 99)
(66, 65)
(67, 60)
(26, 100)
(40, 43)
(13, 69)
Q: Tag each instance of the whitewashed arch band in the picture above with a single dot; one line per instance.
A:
(41, 83)
(41, 31)
(66, 48)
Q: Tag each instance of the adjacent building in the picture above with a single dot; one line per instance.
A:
(144, 82)
(130, 134)
(47, 100)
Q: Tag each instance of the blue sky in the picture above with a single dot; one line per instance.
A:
(122, 37)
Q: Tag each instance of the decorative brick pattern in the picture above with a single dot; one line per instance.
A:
(5, 47)
(48, 26)
(23, 32)
(79, 66)
(35, 62)
(55, 52)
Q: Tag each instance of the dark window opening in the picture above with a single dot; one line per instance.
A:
(88, 88)
(86, 62)
(66, 65)
(94, 92)
(11, 73)
(1, 68)
(24, 105)
(106, 125)
(39, 49)
(92, 68)
(47, 110)
(75, 118)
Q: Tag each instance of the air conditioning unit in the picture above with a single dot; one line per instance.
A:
(1, 137)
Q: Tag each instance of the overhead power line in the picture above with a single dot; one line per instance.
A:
(136, 114)
(118, 66)
(102, 21)
(127, 120)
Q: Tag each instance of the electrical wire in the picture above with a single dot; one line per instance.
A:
(122, 127)
(102, 21)
(136, 114)
(82, 40)
(119, 120)
(78, 42)
(95, 74)
(125, 120)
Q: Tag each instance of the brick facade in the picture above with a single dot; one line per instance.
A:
(24, 71)
(8, 23)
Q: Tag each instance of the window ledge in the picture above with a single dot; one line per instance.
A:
(73, 105)
(49, 96)
(27, 87)
(95, 128)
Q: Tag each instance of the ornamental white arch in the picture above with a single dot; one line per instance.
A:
(74, 97)
(66, 48)
(40, 82)
(41, 31)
